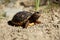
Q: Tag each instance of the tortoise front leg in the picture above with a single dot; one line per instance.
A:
(26, 24)
(37, 22)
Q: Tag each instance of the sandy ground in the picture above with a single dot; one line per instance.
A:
(49, 29)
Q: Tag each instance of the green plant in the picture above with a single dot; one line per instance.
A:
(2, 14)
(6, 2)
(37, 4)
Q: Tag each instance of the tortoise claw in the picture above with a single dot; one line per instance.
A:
(37, 22)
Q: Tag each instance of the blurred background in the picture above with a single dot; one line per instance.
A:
(49, 29)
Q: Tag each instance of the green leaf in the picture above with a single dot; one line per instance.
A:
(37, 2)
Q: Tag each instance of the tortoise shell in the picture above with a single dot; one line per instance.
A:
(20, 18)
(23, 18)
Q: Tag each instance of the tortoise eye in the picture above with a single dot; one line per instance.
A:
(37, 12)
(57, 0)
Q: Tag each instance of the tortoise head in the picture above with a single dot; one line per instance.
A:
(37, 13)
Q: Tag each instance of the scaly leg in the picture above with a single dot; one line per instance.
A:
(27, 23)
(37, 22)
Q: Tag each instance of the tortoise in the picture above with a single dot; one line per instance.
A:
(23, 18)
